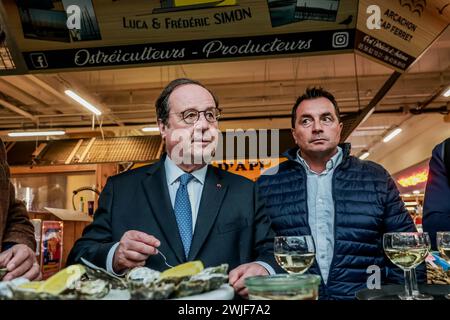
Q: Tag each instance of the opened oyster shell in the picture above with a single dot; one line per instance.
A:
(147, 284)
(92, 289)
(190, 287)
(6, 292)
(31, 294)
(212, 281)
(115, 282)
(153, 292)
(142, 276)
(223, 269)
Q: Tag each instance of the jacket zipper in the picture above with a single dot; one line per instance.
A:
(334, 221)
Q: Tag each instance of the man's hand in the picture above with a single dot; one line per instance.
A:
(20, 261)
(238, 274)
(134, 249)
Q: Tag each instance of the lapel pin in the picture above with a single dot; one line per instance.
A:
(219, 185)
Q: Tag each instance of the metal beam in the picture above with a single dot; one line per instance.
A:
(74, 151)
(17, 110)
(367, 111)
(86, 150)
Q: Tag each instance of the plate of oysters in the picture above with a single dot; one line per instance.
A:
(86, 281)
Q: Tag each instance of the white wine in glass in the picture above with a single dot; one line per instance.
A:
(406, 250)
(295, 254)
(407, 258)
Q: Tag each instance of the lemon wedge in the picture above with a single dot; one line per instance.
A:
(183, 270)
(62, 280)
(32, 285)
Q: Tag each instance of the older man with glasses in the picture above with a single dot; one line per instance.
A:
(180, 205)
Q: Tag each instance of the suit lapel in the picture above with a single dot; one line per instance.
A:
(156, 190)
(212, 196)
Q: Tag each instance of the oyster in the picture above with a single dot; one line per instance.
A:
(173, 280)
(6, 292)
(153, 292)
(95, 272)
(208, 279)
(212, 281)
(223, 268)
(142, 275)
(3, 271)
(115, 282)
(32, 294)
(190, 287)
(92, 289)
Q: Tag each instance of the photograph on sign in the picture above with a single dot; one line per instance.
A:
(281, 11)
(179, 5)
(322, 10)
(284, 12)
(88, 28)
(48, 20)
(44, 24)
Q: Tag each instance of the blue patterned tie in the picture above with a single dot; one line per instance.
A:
(183, 212)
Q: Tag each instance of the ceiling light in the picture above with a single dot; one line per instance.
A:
(392, 134)
(410, 203)
(37, 133)
(416, 191)
(364, 155)
(447, 93)
(83, 102)
(150, 129)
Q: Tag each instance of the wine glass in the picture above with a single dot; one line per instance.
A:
(415, 287)
(443, 245)
(295, 254)
(406, 250)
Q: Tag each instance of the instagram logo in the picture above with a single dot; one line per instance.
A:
(340, 39)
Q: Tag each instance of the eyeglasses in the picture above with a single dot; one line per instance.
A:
(191, 116)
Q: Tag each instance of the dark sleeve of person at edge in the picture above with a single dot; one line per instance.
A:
(436, 208)
(15, 226)
(398, 219)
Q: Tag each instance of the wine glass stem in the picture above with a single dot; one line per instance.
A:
(408, 284)
(414, 286)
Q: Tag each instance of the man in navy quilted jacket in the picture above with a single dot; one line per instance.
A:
(345, 203)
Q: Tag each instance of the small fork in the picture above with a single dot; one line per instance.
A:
(165, 259)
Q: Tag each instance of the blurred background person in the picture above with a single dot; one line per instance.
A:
(436, 209)
(17, 242)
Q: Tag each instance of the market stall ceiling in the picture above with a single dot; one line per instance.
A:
(250, 92)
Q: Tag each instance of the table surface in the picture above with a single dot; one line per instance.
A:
(390, 292)
(225, 292)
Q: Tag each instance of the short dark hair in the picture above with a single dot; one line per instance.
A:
(162, 103)
(314, 93)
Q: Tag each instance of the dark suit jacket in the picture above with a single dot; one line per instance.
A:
(232, 226)
(15, 226)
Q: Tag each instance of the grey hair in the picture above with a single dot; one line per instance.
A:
(162, 103)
